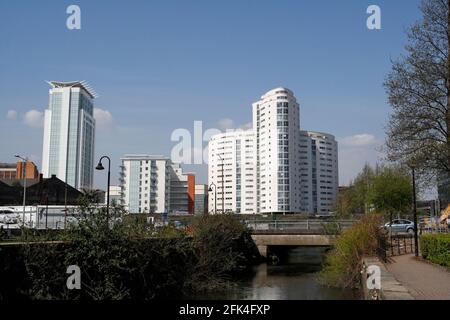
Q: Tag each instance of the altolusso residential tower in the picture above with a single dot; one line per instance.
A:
(69, 134)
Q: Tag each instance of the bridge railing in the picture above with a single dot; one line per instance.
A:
(307, 226)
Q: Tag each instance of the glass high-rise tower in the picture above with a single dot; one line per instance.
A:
(69, 133)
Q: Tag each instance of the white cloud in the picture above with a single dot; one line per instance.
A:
(11, 115)
(352, 160)
(359, 140)
(103, 118)
(34, 119)
(354, 152)
(247, 126)
(225, 124)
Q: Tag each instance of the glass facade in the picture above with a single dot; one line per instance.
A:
(134, 202)
(70, 132)
(201, 204)
(87, 152)
(72, 142)
(55, 108)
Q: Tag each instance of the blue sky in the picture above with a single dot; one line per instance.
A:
(161, 65)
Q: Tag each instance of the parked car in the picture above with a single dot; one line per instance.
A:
(8, 216)
(400, 225)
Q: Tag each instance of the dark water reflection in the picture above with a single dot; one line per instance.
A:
(294, 279)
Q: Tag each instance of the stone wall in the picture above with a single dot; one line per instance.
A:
(390, 289)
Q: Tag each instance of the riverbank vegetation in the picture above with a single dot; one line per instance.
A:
(127, 260)
(343, 263)
(436, 248)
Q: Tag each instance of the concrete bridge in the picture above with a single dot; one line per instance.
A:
(317, 233)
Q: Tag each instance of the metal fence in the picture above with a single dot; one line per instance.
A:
(306, 226)
(40, 217)
(395, 245)
(436, 229)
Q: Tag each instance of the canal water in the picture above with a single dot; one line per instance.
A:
(294, 278)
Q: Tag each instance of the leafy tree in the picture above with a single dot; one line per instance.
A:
(355, 200)
(419, 92)
(89, 197)
(391, 191)
(384, 189)
(361, 190)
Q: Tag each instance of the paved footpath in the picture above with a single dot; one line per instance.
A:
(423, 280)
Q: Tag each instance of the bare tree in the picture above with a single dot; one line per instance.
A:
(419, 92)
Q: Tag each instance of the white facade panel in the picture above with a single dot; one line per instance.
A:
(232, 172)
(320, 182)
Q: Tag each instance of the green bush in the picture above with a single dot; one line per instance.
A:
(436, 248)
(343, 263)
(116, 262)
(223, 246)
(122, 257)
(130, 261)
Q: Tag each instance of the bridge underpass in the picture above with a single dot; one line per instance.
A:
(263, 241)
(306, 233)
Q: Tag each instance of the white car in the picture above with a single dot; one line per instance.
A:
(8, 216)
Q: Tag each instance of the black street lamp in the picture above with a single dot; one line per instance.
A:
(215, 196)
(100, 167)
(416, 240)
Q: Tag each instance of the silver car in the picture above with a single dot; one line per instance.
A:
(400, 226)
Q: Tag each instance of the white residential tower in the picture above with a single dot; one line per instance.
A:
(275, 167)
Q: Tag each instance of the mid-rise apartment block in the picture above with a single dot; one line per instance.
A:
(154, 184)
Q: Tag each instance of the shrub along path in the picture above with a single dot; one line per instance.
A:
(423, 280)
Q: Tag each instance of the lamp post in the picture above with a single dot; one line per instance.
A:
(416, 241)
(25, 160)
(65, 204)
(100, 167)
(215, 196)
(223, 188)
